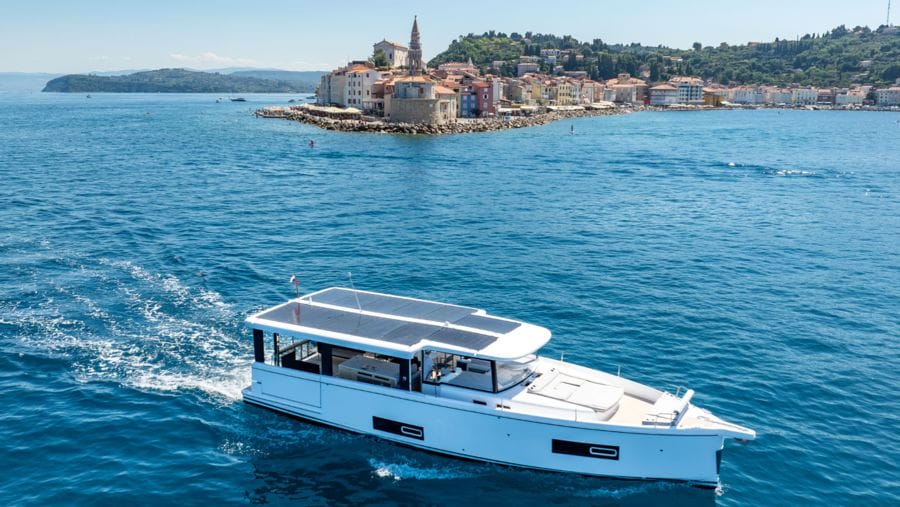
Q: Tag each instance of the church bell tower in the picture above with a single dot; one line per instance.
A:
(415, 51)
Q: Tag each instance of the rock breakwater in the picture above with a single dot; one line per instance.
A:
(462, 126)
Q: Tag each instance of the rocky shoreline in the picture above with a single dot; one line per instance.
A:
(465, 125)
(460, 127)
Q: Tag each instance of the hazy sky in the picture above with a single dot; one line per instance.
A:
(80, 36)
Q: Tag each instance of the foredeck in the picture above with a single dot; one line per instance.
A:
(402, 324)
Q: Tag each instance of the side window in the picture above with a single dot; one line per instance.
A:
(459, 371)
(300, 355)
(370, 368)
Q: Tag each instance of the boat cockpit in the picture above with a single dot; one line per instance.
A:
(428, 367)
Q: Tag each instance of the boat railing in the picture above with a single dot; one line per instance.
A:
(670, 408)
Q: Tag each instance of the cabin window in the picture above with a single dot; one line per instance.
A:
(459, 371)
(300, 355)
(511, 373)
(370, 368)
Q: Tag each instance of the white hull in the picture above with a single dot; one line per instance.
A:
(490, 432)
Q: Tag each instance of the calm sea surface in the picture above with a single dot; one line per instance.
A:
(753, 256)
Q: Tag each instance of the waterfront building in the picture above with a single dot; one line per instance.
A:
(664, 95)
(468, 103)
(711, 98)
(333, 88)
(499, 88)
(575, 93)
(888, 96)
(775, 95)
(825, 96)
(690, 89)
(626, 89)
(745, 95)
(519, 91)
(589, 90)
(360, 82)
(397, 54)
(804, 96)
(539, 94)
(377, 100)
(852, 97)
(484, 98)
(415, 101)
(561, 92)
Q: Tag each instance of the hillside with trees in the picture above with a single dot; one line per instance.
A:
(172, 81)
(837, 57)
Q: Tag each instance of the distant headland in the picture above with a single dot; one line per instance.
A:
(187, 81)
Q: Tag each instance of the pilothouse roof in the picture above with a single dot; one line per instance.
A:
(401, 325)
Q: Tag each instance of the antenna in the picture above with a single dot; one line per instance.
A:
(358, 306)
(888, 22)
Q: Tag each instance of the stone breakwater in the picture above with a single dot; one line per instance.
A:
(460, 127)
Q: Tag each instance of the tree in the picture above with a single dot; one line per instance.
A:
(606, 66)
(572, 62)
(891, 73)
(697, 46)
(380, 59)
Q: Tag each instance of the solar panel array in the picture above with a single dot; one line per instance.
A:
(347, 320)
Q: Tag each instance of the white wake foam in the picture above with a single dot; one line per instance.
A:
(403, 471)
(120, 322)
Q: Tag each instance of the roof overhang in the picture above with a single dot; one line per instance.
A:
(497, 344)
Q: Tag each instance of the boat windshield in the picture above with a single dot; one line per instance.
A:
(510, 373)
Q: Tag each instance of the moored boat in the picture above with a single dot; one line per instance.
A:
(458, 381)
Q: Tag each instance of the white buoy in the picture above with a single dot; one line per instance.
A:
(731, 164)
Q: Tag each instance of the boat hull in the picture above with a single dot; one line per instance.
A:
(488, 432)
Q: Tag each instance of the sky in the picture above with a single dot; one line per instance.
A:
(104, 35)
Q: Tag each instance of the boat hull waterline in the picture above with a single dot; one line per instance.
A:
(491, 434)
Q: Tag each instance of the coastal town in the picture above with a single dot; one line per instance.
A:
(394, 91)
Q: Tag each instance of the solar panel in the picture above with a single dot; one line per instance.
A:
(393, 305)
(492, 324)
(460, 338)
(448, 313)
(368, 326)
(337, 297)
(410, 333)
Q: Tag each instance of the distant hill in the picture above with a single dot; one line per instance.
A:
(309, 80)
(173, 81)
(837, 57)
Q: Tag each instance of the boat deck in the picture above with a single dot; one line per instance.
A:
(570, 393)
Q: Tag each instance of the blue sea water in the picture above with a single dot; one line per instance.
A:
(753, 256)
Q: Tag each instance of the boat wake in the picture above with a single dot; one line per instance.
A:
(412, 470)
(116, 321)
(773, 171)
(642, 488)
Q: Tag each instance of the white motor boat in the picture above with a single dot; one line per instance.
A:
(454, 380)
